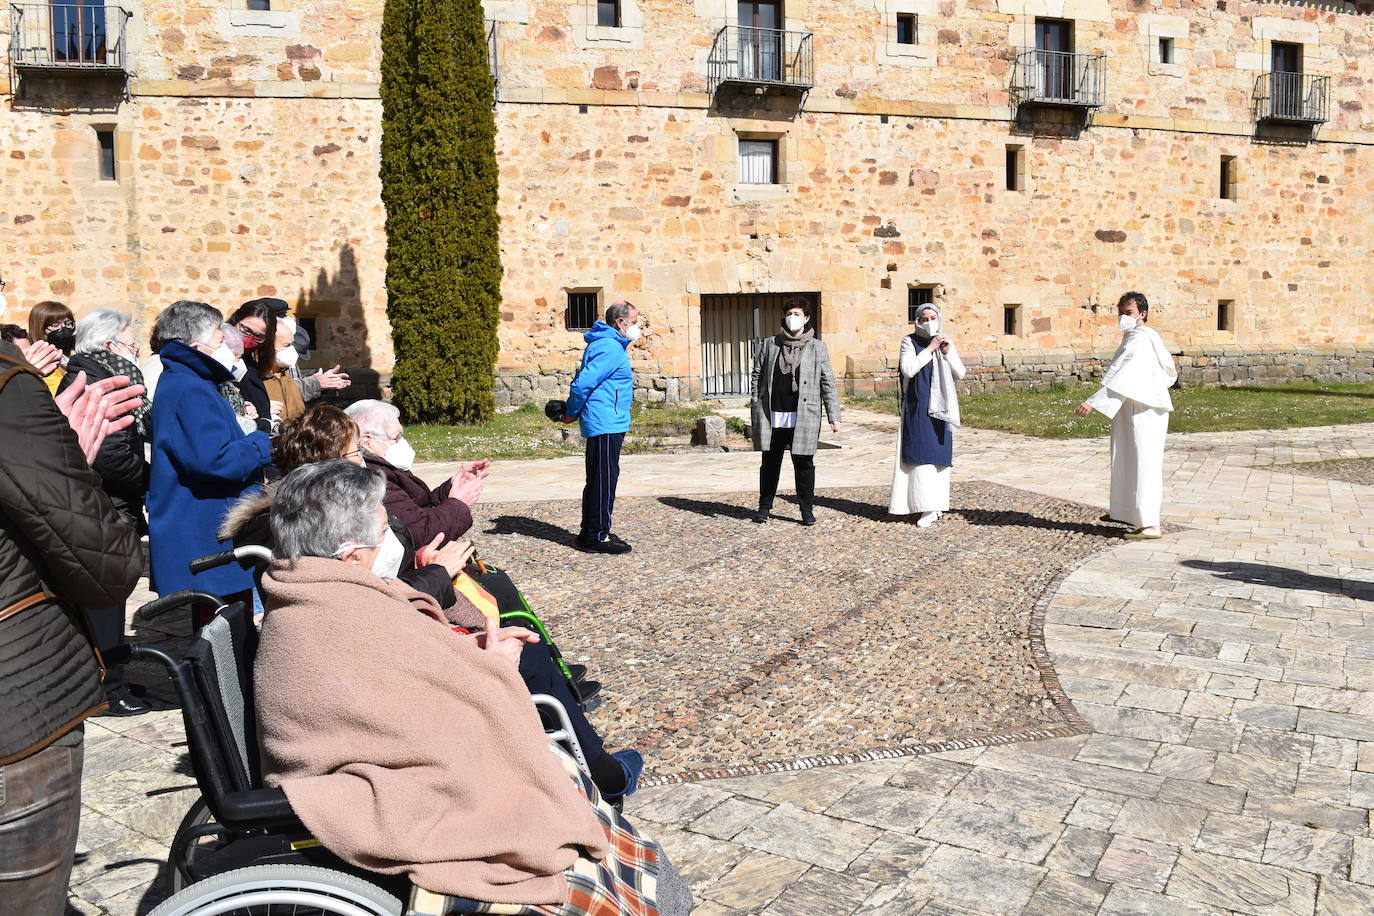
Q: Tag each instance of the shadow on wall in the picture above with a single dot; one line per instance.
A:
(334, 306)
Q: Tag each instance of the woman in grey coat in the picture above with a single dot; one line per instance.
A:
(791, 380)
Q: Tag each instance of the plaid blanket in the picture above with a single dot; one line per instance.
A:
(623, 884)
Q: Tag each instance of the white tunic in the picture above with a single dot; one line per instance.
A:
(1135, 395)
(919, 487)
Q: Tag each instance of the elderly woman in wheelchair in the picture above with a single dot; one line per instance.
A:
(409, 747)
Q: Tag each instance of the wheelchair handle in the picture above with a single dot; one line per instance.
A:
(247, 552)
(183, 598)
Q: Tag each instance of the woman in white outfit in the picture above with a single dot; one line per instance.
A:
(929, 367)
(1135, 396)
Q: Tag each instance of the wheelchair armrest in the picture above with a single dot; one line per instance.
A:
(267, 808)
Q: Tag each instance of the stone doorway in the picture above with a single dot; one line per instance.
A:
(733, 327)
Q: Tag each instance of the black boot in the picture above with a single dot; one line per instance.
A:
(769, 472)
(806, 488)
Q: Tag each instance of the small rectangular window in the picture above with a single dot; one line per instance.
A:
(1016, 167)
(1226, 309)
(1227, 176)
(916, 298)
(758, 162)
(105, 139)
(608, 14)
(262, 5)
(1011, 320)
(1166, 50)
(582, 310)
(906, 28)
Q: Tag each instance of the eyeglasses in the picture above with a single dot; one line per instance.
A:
(243, 329)
(69, 324)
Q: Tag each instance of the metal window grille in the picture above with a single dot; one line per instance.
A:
(608, 14)
(732, 330)
(758, 161)
(581, 311)
(906, 28)
(917, 297)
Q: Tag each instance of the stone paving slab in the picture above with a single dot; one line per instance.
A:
(1244, 803)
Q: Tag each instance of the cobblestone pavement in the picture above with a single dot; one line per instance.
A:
(1227, 671)
(1351, 470)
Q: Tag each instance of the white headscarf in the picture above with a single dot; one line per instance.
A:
(944, 398)
(1142, 369)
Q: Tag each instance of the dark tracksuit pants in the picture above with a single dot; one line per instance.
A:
(598, 496)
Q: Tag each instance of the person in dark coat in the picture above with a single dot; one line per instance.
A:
(445, 510)
(790, 384)
(202, 461)
(105, 347)
(257, 323)
(63, 546)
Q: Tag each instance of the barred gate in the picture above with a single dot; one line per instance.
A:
(733, 327)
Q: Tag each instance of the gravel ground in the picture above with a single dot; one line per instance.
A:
(1351, 470)
(728, 644)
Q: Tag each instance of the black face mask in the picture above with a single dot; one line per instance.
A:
(62, 338)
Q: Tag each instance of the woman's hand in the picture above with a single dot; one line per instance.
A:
(934, 343)
(453, 556)
(945, 342)
(42, 355)
(834, 426)
(98, 409)
(249, 410)
(1083, 409)
(506, 642)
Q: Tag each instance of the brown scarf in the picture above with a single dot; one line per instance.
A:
(791, 346)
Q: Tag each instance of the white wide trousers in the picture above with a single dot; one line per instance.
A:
(1138, 434)
(918, 487)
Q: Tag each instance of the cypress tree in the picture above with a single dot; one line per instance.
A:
(439, 186)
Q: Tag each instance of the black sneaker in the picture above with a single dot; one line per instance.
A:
(588, 689)
(123, 703)
(610, 544)
(577, 672)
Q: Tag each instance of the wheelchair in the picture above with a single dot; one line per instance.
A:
(240, 849)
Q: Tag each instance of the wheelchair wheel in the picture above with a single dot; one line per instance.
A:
(277, 890)
(188, 849)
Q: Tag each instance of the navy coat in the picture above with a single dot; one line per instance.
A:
(202, 462)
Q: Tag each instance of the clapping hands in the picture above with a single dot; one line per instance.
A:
(98, 409)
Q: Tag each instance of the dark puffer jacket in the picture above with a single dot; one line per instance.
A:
(120, 462)
(424, 511)
(63, 545)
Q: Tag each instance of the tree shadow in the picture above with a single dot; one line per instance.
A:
(332, 309)
(708, 508)
(531, 528)
(1267, 389)
(1285, 578)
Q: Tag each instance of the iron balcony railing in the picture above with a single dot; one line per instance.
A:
(1301, 98)
(1059, 78)
(68, 36)
(745, 55)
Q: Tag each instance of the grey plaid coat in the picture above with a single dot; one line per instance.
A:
(815, 386)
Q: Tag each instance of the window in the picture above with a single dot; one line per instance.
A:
(1016, 167)
(906, 28)
(1166, 50)
(1054, 58)
(758, 161)
(1228, 178)
(582, 308)
(262, 5)
(1226, 315)
(105, 139)
(918, 297)
(608, 14)
(1011, 320)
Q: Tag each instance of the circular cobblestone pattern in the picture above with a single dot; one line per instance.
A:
(727, 647)
(1350, 470)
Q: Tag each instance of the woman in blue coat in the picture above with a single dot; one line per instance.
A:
(201, 460)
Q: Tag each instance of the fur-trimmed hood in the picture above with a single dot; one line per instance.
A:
(249, 516)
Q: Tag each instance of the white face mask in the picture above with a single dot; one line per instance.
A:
(287, 357)
(4, 304)
(401, 455)
(387, 563)
(929, 327)
(1127, 323)
(237, 369)
(224, 356)
(632, 333)
(794, 323)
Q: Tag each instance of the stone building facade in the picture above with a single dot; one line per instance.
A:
(872, 155)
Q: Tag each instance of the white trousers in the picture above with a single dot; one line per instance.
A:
(1138, 434)
(918, 487)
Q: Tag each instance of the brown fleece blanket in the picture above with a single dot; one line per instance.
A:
(406, 748)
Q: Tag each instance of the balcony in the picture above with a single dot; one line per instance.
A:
(748, 58)
(1059, 79)
(68, 37)
(1292, 98)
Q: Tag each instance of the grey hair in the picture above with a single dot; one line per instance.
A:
(187, 321)
(233, 339)
(320, 507)
(99, 328)
(618, 310)
(371, 415)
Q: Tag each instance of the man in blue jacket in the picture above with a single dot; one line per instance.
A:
(600, 402)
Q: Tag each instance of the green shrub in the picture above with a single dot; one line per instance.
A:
(439, 186)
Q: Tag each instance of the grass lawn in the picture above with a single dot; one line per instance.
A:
(1049, 414)
(526, 433)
